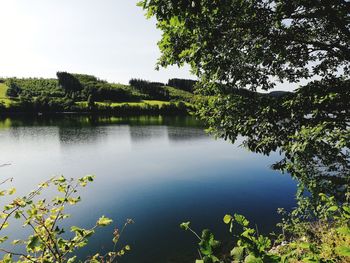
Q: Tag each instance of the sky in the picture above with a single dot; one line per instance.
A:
(110, 39)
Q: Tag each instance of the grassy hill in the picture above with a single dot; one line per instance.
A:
(79, 92)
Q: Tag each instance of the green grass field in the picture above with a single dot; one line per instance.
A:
(178, 93)
(115, 104)
(3, 89)
(3, 97)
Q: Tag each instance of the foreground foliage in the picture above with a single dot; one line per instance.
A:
(47, 242)
(324, 240)
(238, 47)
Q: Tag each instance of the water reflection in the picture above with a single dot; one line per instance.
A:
(158, 171)
(81, 129)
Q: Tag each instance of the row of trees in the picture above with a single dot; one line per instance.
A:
(184, 84)
(152, 89)
(79, 87)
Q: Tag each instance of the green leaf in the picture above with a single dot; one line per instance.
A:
(333, 208)
(17, 214)
(252, 259)
(343, 251)
(43, 185)
(310, 260)
(185, 225)
(346, 209)
(60, 179)
(104, 221)
(237, 253)
(34, 241)
(11, 191)
(227, 219)
(5, 225)
(77, 230)
(90, 178)
(3, 239)
(304, 245)
(88, 233)
(345, 230)
(15, 242)
(240, 219)
(72, 260)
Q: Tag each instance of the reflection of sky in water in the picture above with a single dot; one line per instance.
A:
(159, 174)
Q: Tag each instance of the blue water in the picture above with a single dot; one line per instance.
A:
(157, 171)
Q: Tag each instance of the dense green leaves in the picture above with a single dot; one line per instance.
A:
(249, 44)
(235, 46)
(48, 241)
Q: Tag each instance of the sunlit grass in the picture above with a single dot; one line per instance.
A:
(178, 93)
(6, 102)
(135, 104)
(3, 89)
(3, 98)
(141, 103)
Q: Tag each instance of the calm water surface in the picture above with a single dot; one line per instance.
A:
(157, 171)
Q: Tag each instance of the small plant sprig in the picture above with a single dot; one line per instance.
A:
(208, 246)
(250, 245)
(46, 243)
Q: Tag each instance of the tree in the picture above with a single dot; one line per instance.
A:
(13, 90)
(69, 83)
(91, 102)
(249, 44)
(237, 46)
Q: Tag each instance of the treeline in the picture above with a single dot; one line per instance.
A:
(43, 104)
(79, 87)
(161, 91)
(152, 89)
(183, 84)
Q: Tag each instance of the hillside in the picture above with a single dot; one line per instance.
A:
(86, 93)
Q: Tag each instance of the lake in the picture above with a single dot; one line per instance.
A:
(159, 171)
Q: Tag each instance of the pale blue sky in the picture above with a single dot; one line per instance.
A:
(107, 38)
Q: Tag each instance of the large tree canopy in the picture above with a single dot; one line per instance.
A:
(251, 43)
(236, 47)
